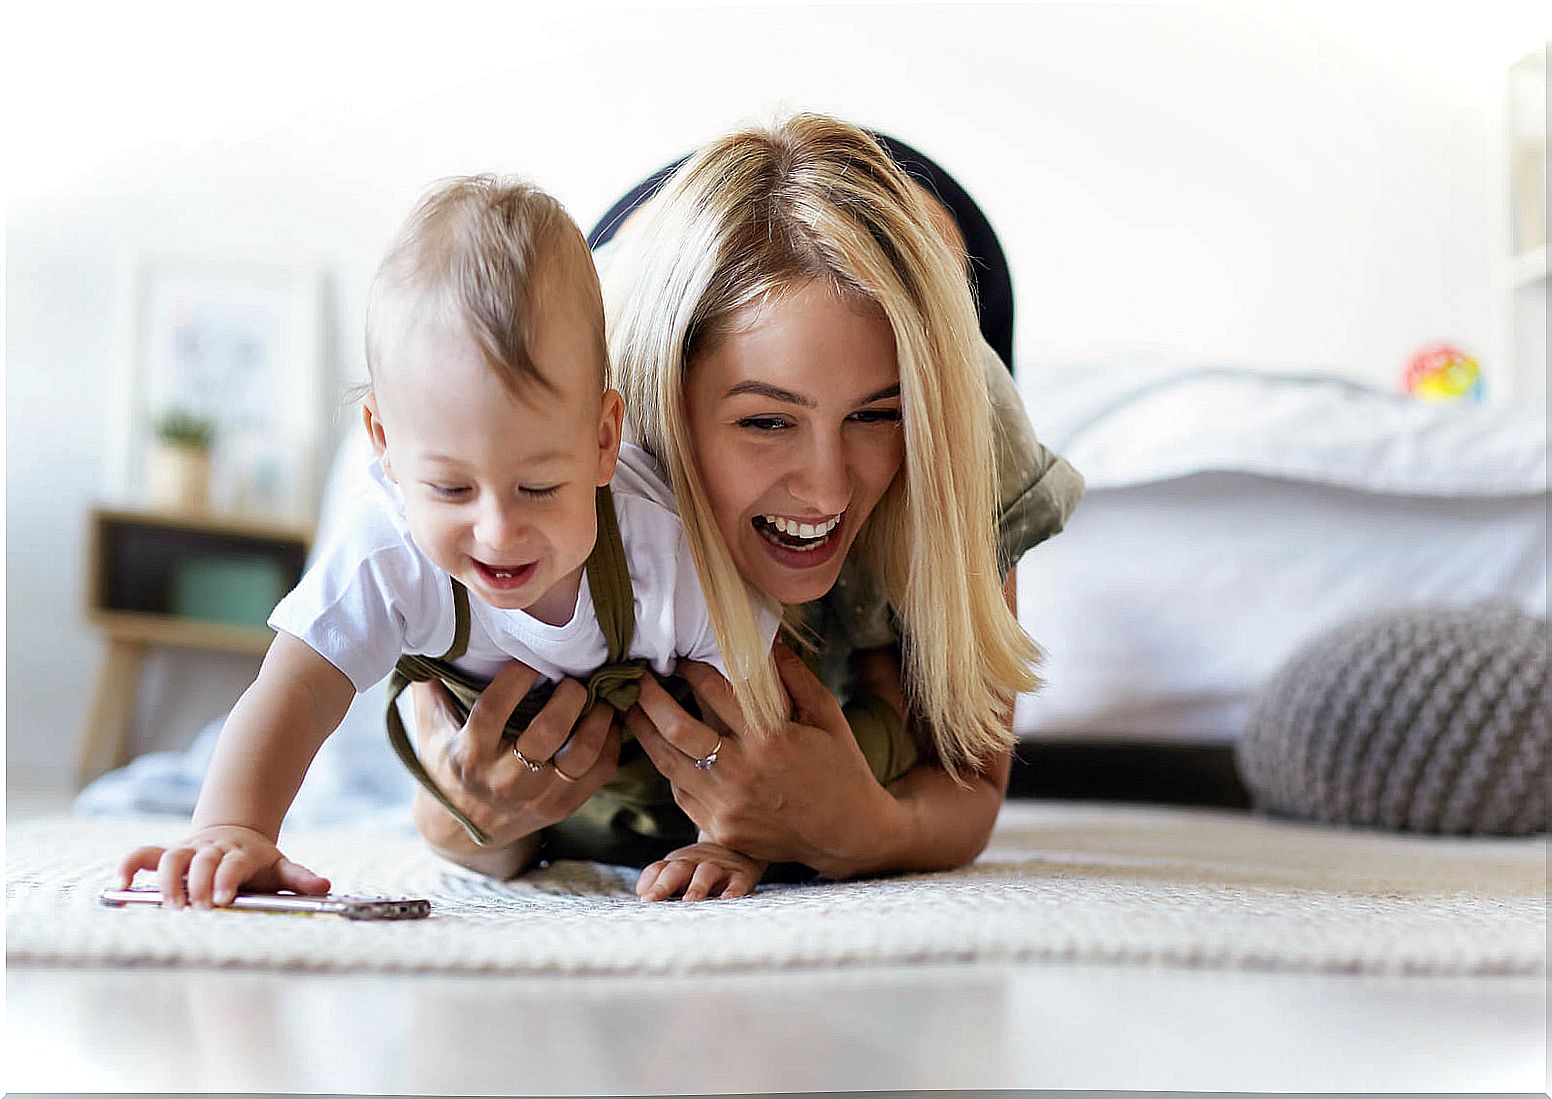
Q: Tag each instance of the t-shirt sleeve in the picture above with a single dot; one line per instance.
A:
(695, 639)
(1036, 489)
(698, 640)
(367, 598)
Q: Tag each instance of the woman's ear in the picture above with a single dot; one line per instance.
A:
(610, 424)
(372, 420)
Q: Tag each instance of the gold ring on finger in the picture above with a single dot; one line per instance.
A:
(704, 762)
(533, 768)
(562, 775)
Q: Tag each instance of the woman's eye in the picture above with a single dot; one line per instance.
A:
(877, 416)
(449, 492)
(540, 493)
(763, 423)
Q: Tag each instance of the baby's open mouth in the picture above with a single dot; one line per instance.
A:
(505, 576)
(794, 533)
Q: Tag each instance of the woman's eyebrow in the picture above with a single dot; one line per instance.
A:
(776, 393)
(884, 394)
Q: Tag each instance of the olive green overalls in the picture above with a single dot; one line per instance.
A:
(632, 819)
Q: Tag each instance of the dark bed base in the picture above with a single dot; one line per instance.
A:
(1172, 774)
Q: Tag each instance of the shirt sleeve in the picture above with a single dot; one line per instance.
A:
(1037, 490)
(367, 598)
(698, 640)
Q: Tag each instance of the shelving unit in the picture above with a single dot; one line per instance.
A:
(182, 580)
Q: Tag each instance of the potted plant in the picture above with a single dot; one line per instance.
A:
(178, 464)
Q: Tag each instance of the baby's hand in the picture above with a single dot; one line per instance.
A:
(217, 861)
(699, 871)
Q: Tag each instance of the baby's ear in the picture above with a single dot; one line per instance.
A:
(372, 420)
(610, 423)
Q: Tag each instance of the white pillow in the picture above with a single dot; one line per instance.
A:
(1231, 514)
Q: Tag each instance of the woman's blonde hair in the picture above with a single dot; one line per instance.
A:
(749, 216)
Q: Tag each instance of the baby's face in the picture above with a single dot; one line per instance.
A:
(499, 489)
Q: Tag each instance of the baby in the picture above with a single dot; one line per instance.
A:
(495, 430)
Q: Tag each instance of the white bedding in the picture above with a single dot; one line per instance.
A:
(1230, 515)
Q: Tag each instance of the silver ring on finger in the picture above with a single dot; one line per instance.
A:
(533, 768)
(704, 762)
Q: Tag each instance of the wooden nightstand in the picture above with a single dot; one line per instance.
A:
(188, 580)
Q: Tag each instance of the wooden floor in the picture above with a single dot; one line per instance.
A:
(875, 1029)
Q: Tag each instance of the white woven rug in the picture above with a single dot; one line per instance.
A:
(1059, 882)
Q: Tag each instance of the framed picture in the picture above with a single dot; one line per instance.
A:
(235, 348)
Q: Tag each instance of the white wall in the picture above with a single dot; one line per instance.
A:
(1310, 186)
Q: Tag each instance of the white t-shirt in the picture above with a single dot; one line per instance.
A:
(371, 595)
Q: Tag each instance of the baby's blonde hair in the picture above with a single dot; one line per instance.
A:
(766, 209)
(477, 252)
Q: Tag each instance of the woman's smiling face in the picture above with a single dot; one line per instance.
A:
(795, 421)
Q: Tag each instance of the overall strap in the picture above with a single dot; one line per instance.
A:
(460, 643)
(413, 668)
(618, 682)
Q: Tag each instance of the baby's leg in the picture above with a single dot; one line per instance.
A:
(700, 871)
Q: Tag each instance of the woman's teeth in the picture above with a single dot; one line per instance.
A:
(802, 530)
(791, 534)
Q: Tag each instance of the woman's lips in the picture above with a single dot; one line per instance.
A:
(806, 553)
(505, 577)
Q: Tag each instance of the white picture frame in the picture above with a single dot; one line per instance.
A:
(237, 343)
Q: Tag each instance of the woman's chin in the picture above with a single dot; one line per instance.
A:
(792, 577)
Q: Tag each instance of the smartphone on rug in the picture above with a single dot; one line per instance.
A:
(350, 908)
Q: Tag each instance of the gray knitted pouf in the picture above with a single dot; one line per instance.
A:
(1425, 720)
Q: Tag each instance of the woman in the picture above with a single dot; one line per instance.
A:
(798, 348)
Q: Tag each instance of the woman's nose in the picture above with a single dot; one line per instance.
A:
(821, 477)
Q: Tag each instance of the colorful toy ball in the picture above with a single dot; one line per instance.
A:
(1442, 372)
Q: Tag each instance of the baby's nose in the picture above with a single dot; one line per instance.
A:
(500, 527)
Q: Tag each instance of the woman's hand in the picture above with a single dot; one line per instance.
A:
(804, 794)
(568, 756)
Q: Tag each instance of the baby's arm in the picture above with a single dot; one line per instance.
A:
(269, 740)
(700, 871)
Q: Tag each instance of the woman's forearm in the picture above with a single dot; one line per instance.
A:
(446, 837)
(934, 823)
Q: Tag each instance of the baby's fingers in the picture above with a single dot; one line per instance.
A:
(670, 881)
(741, 883)
(297, 878)
(202, 872)
(235, 869)
(707, 880)
(141, 858)
(170, 872)
(648, 878)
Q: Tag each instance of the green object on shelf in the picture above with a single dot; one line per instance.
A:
(240, 591)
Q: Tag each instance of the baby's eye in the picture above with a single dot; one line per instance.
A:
(448, 492)
(763, 423)
(877, 416)
(540, 493)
